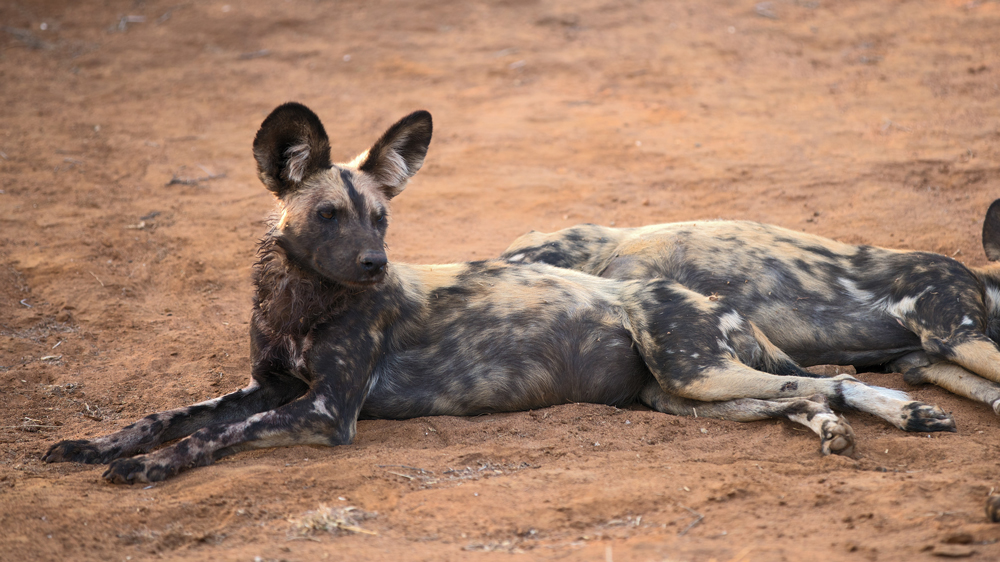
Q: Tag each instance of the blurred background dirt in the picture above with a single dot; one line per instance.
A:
(129, 210)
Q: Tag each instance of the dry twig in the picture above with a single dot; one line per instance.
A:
(698, 518)
(177, 180)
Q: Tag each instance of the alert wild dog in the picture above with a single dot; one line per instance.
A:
(821, 301)
(339, 333)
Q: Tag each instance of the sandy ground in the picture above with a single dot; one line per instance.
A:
(129, 209)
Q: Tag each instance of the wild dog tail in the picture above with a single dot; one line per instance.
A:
(773, 360)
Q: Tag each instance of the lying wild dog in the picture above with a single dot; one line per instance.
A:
(820, 301)
(338, 333)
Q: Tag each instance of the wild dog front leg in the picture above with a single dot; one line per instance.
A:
(155, 429)
(953, 326)
(918, 368)
(310, 420)
(836, 435)
(325, 414)
(974, 351)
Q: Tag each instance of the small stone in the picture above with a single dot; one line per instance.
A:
(958, 538)
(952, 551)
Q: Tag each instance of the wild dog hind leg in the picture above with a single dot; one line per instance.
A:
(695, 348)
(836, 435)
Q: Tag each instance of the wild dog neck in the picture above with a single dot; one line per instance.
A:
(291, 297)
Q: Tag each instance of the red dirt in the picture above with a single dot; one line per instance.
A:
(873, 122)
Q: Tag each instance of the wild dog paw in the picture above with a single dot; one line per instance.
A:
(837, 438)
(143, 468)
(81, 450)
(918, 416)
(993, 509)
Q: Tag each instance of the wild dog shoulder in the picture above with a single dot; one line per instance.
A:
(580, 247)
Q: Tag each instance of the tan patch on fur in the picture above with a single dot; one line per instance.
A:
(980, 357)
(956, 379)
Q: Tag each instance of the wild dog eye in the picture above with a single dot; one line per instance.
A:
(327, 214)
(378, 218)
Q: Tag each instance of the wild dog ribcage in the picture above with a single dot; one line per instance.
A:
(489, 337)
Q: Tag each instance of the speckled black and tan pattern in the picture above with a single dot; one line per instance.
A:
(820, 301)
(338, 333)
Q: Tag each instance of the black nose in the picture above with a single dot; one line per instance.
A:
(373, 263)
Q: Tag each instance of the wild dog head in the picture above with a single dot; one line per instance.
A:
(333, 217)
(989, 275)
(584, 247)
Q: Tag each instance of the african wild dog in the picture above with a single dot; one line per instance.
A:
(821, 301)
(338, 333)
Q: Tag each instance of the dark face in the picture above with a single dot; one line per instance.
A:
(335, 225)
(333, 217)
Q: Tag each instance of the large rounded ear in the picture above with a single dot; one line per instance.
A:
(398, 153)
(991, 232)
(290, 146)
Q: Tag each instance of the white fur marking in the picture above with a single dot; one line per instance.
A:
(857, 390)
(298, 156)
(817, 421)
(885, 403)
(900, 309)
(864, 297)
(725, 346)
(992, 298)
(730, 322)
(319, 406)
(372, 382)
(394, 169)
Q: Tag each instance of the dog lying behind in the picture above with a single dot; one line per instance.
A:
(338, 333)
(820, 301)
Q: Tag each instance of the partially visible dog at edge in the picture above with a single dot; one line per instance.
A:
(921, 314)
(339, 333)
(924, 315)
